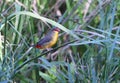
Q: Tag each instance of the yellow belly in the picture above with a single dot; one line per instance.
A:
(53, 41)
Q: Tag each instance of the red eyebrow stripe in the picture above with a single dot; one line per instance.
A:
(56, 29)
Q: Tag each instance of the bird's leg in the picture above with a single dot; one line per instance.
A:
(48, 49)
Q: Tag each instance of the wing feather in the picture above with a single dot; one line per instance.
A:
(44, 40)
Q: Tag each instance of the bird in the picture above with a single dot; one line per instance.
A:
(49, 40)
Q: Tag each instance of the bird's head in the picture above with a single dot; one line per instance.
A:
(56, 29)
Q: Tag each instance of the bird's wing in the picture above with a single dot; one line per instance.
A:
(46, 39)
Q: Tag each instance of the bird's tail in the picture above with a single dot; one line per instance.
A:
(31, 45)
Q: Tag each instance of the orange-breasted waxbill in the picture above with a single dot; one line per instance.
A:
(49, 40)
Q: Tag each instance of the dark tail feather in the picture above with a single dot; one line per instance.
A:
(31, 45)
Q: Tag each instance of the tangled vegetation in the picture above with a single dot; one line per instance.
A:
(87, 50)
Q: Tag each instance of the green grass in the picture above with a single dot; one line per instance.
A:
(87, 50)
